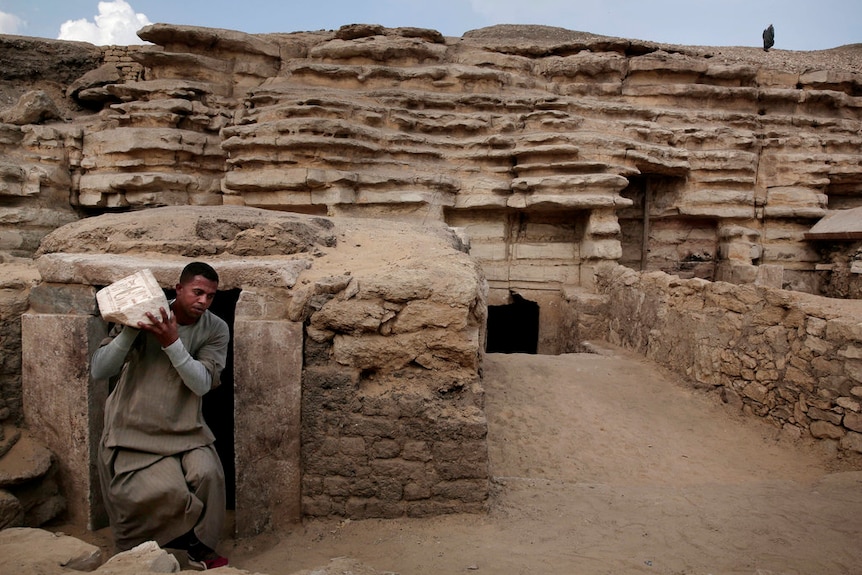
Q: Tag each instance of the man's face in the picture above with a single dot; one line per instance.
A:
(193, 299)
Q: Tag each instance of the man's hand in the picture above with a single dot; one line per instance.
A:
(164, 327)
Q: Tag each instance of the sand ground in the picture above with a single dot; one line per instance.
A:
(603, 463)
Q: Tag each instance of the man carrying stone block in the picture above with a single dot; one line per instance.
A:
(161, 476)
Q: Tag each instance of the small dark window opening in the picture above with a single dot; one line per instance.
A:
(219, 403)
(513, 328)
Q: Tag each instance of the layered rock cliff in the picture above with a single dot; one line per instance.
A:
(545, 144)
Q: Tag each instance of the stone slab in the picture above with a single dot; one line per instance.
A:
(63, 408)
(267, 394)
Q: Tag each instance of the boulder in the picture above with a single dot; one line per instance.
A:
(34, 107)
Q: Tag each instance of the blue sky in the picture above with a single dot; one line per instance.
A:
(799, 24)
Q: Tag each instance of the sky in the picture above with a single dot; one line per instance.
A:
(799, 24)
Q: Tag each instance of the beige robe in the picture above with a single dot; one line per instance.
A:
(161, 476)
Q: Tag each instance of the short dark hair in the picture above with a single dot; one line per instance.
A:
(195, 269)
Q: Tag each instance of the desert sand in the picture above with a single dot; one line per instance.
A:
(604, 463)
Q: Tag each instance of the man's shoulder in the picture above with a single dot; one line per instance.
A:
(211, 321)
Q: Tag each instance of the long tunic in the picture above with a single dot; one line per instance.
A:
(161, 476)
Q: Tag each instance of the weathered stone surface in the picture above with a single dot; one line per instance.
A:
(191, 231)
(62, 406)
(783, 355)
(63, 298)
(38, 552)
(852, 442)
(268, 488)
(29, 59)
(102, 76)
(41, 501)
(853, 421)
(825, 430)
(35, 551)
(511, 97)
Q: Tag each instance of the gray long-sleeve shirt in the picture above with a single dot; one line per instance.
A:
(156, 406)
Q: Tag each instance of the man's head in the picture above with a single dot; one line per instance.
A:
(195, 292)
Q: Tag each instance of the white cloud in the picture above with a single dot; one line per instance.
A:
(10, 24)
(116, 24)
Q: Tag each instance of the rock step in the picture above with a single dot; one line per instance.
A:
(25, 461)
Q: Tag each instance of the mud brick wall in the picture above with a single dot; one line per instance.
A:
(399, 452)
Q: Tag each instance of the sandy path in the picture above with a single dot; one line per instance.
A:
(603, 464)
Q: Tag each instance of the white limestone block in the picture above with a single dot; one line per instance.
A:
(127, 300)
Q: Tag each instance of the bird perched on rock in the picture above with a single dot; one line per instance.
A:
(768, 38)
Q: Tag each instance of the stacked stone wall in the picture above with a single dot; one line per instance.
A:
(123, 57)
(13, 303)
(794, 359)
(842, 270)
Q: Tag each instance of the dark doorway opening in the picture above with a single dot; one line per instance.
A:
(513, 328)
(218, 404)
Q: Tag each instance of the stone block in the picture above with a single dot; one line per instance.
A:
(851, 442)
(826, 430)
(26, 461)
(853, 421)
(127, 300)
(824, 415)
(147, 557)
(756, 392)
(544, 251)
(770, 275)
(11, 513)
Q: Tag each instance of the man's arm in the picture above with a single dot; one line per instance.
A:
(193, 373)
(109, 359)
(198, 374)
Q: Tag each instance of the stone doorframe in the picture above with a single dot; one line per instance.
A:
(64, 407)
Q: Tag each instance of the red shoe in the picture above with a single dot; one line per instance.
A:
(214, 562)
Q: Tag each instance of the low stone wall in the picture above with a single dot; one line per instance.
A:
(792, 358)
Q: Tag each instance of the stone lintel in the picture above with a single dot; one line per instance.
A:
(104, 269)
